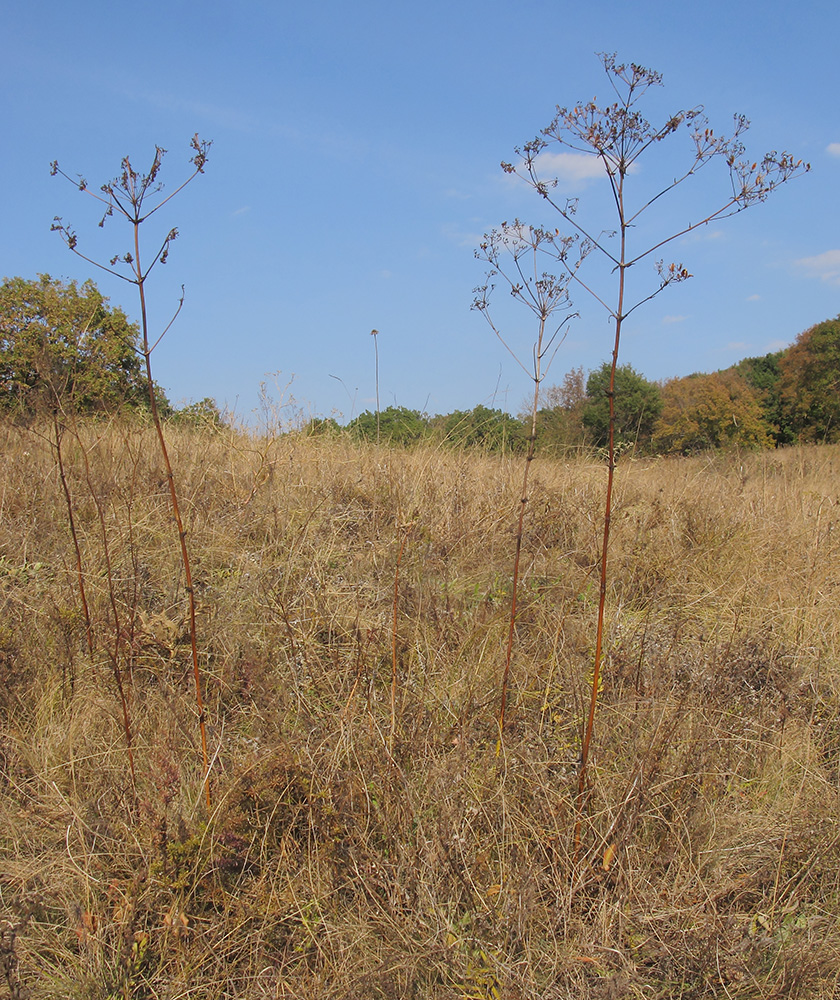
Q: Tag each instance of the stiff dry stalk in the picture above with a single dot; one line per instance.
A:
(60, 419)
(523, 502)
(113, 655)
(375, 335)
(515, 253)
(58, 433)
(176, 512)
(403, 544)
(617, 135)
(126, 195)
(605, 541)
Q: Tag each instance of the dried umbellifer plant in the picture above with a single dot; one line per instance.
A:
(615, 137)
(136, 197)
(517, 254)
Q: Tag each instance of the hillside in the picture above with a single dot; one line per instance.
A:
(365, 839)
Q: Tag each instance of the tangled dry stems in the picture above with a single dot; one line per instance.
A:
(341, 860)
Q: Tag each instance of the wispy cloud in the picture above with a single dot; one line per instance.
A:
(738, 345)
(461, 237)
(674, 319)
(572, 171)
(571, 168)
(225, 117)
(753, 298)
(825, 266)
(833, 149)
(703, 235)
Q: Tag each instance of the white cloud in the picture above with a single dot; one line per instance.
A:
(674, 319)
(462, 237)
(825, 266)
(573, 168)
(572, 171)
(753, 298)
(833, 149)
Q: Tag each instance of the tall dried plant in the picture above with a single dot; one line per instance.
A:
(616, 136)
(136, 197)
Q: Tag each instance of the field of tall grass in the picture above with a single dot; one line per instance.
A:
(368, 835)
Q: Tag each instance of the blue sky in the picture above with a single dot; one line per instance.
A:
(355, 167)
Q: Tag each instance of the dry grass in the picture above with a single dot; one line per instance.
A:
(334, 867)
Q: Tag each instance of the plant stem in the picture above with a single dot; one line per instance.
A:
(176, 510)
(375, 335)
(605, 544)
(394, 641)
(523, 502)
(65, 489)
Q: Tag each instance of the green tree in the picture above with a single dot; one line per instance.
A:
(717, 411)
(764, 376)
(62, 346)
(202, 413)
(810, 383)
(636, 405)
(396, 425)
(481, 427)
(321, 427)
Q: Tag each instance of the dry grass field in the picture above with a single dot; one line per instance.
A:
(347, 857)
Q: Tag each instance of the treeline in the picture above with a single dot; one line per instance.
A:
(786, 397)
(64, 349)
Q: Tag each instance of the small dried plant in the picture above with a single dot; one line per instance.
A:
(516, 254)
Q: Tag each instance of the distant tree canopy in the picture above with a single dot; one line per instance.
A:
(763, 375)
(63, 347)
(480, 427)
(560, 426)
(710, 412)
(569, 395)
(810, 383)
(637, 402)
(201, 413)
(322, 427)
(397, 425)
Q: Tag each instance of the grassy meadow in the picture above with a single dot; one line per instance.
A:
(365, 837)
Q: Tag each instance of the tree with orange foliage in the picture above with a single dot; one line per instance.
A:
(810, 383)
(717, 411)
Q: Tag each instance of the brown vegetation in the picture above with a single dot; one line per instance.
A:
(344, 858)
